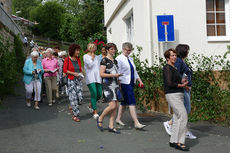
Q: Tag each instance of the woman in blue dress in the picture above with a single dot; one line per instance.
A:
(129, 76)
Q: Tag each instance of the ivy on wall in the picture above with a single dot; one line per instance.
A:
(210, 91)
(11, 63)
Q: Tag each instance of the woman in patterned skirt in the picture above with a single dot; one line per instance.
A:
(72, 67)
(111, 89)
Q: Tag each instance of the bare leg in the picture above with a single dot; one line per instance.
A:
(94, 112)
(27, 100)
(112, 106)
(112, 116)
(121, 110)
(133, 113)
(36, 103)
(170, 122)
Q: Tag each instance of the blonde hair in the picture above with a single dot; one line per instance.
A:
(91, 46)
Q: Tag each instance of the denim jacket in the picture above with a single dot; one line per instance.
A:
(182, 67)
(29, 68)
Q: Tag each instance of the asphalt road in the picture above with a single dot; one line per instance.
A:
(51, 130)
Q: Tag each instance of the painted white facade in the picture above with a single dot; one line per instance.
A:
(189, 22)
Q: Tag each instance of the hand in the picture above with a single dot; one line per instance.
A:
(64, 74)
(75, 74)
(117, 75)
(33, 72)
(183, 80)
(187, 88)
(93, 56)
(185, 83)
(39, 70)
(141, 84)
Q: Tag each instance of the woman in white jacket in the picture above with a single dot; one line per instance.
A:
(129, 76)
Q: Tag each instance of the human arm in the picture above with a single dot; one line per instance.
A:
(26, 68)
(168, 77)
(89, 61)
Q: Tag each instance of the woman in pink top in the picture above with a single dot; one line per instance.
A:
(50, 66)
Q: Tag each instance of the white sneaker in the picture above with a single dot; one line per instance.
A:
(140, 126)
(189, 135)
(95, 116)
(36, 107)
(28, 104)
(62, 93)
(50, 104)
(53, 101)
(90, 109)
(168, 128)
(120, 123)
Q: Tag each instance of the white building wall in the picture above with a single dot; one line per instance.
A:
(189, 22)
(190, 25)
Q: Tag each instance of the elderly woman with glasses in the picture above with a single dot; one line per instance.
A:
(33, 79)
(50, 66)
(129, 77)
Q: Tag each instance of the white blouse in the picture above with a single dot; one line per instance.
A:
(92, 69)
(124, 68)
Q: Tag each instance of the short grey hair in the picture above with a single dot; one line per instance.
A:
(49, 50)
(34, 54)
(34, 49)
(127, 45)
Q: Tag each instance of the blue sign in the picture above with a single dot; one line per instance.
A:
(165, 25)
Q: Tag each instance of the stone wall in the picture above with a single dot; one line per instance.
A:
(8, 22)
(6, 36)
(7, 5)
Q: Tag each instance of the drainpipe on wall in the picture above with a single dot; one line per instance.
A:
(151, 31)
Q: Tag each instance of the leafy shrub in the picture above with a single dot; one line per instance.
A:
(210, 91)
(11, 63)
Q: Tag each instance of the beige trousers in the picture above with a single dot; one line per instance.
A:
(179, 127)
(51, 88)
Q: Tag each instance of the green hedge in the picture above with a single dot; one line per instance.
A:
(210, 90)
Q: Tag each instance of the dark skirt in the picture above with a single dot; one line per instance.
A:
(128, 94)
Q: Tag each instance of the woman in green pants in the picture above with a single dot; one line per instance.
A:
(93, 79)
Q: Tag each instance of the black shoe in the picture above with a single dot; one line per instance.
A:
(182, 147)
(114, 131)
(172, 144)
(98, 126)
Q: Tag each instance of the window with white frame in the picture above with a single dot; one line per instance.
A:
(216, 15)
(130, 28)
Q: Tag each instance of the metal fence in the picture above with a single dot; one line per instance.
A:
(47, 42)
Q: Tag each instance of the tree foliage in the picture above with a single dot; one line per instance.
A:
(25, 6)
(49, 17)
(68, 20)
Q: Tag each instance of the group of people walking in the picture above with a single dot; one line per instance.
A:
(112, 79)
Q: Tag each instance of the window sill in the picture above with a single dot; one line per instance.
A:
(218, 38)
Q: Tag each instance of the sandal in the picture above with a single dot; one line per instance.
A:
(113, 130)
(76, 119)
(182, 147)
(100, 127)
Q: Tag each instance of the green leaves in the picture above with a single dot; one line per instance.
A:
(82, 21)
(25, 6)
(50, 17)
(210, 91)
(11, 62)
